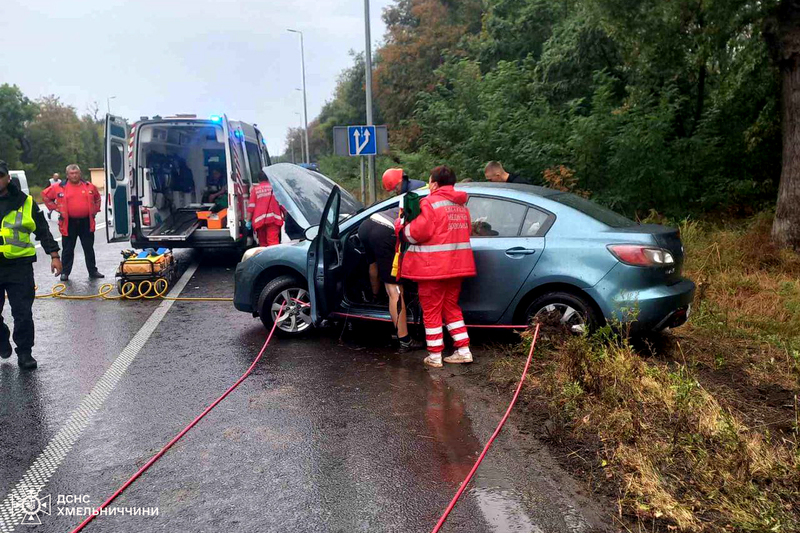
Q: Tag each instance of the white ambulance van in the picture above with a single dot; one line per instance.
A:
(161, 180)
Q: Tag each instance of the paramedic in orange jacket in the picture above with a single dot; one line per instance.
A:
(439, 258)
(266, 214)
(77, 203)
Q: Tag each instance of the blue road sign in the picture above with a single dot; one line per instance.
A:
(362, 140)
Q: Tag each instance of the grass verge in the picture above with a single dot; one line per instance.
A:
(695, 430)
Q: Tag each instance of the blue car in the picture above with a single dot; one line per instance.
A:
(537, 251)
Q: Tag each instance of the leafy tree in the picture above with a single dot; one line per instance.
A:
(55, 140)
(16, 111)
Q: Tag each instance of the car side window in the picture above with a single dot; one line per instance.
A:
(534, 222)
(495, 218)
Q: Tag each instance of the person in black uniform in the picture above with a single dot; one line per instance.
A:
(379, 240)
(19, 217)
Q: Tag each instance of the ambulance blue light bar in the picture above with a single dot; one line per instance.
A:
(216, 118)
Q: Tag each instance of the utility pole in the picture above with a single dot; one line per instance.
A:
(368, 72)
(305, 104)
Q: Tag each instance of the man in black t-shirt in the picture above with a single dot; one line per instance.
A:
(495, 172)
(378, 237)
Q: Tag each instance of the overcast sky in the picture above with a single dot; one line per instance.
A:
(161, 57)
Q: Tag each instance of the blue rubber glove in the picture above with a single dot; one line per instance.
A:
(249, 225)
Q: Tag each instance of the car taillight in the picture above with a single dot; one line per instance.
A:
(637, 255)
(145, 216)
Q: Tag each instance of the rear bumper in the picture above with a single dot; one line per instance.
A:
(647, 309)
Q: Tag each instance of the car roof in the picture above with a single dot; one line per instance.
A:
(492, 188)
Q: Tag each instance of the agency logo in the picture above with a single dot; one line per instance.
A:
(30, 505)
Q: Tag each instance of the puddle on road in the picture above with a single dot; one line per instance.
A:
(503, 511)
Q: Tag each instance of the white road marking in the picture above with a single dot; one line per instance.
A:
(97, 227)
(48, 461)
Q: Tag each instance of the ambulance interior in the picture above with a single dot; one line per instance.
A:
(174, 178)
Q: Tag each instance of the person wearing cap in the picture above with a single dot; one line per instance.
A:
(19, 217)
(495, 172)
(397, 181)
(378, 236)
(438, 259)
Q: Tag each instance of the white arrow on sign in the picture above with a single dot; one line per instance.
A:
(357, 135)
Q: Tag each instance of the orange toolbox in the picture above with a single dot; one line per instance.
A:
(214, 220)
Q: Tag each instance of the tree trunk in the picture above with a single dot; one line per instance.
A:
(786, 227)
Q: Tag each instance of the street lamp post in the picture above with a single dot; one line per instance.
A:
(108, 103)
(368, 71)
(305, 105)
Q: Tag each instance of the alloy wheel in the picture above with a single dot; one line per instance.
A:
(296, 315)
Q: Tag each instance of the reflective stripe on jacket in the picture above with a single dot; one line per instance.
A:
(263, 207)
(15, 232)
(55, 199)
(439, 238)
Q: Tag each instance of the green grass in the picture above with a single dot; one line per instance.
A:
(681, 431)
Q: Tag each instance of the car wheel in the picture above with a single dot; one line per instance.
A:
(289, 292)
(574, 312)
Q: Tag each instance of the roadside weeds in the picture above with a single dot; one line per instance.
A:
(693, 430)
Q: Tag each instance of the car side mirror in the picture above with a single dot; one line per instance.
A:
(311, 233)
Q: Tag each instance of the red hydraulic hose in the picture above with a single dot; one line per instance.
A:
(463, 486)
(185, 430)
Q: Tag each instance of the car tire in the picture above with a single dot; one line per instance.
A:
(574, 311)
(298, 306)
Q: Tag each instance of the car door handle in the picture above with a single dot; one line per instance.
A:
(518, 250)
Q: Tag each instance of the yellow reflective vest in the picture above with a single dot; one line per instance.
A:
(15, 232)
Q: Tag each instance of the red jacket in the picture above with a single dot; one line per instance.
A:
(55, 199)
(264, 208)
(439, 238)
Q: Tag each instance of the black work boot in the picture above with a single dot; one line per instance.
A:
(95, 275)
(64, 277)
(26, 361)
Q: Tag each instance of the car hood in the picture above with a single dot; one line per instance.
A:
(303, 193)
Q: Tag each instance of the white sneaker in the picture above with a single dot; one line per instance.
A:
(461, 355)
(434, 360)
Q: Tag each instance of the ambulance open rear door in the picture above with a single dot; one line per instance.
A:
(118, 180)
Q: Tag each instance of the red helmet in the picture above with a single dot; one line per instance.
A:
(392, 178)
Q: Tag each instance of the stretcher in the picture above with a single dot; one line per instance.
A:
(148, 265)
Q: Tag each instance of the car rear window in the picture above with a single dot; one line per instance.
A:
(597, 212)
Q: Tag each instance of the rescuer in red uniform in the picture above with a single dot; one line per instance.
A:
(438, 259)
(266, 214)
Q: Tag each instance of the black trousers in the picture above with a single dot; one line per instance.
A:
(17, 282)
(78, 228)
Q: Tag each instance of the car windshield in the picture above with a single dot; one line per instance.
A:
(597, 212)
(309, 191)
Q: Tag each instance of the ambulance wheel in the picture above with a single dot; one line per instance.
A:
(564, 308)
(292, 294)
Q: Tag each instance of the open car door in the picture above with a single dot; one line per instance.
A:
(325, 271)
(118, 180)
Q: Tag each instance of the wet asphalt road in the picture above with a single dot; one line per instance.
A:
(330, 433)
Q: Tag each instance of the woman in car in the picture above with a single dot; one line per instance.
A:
(438, 259)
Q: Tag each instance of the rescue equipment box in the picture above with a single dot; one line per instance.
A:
(149, 264)
(214, 220)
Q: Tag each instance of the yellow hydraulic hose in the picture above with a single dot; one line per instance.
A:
(147, 290)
